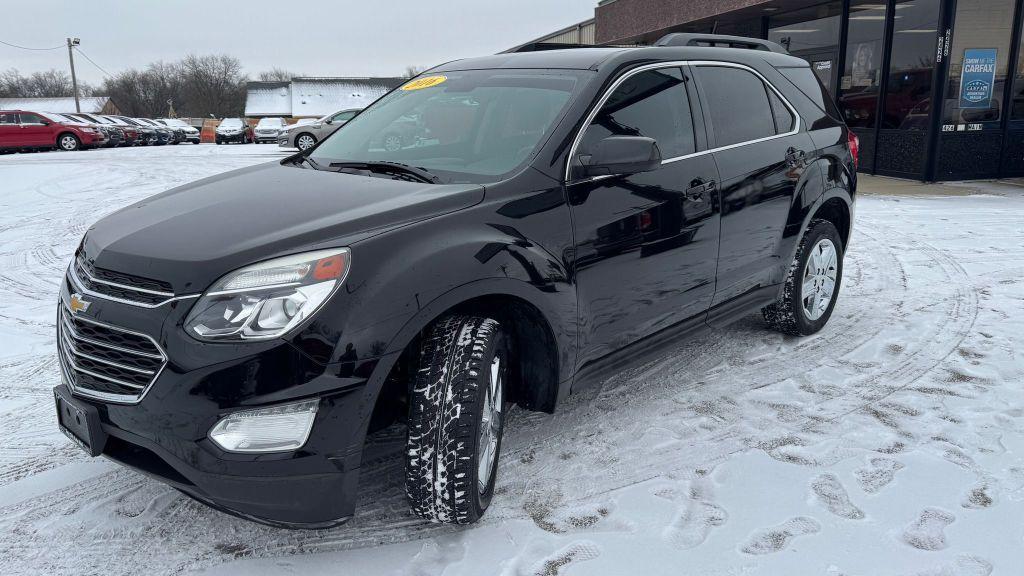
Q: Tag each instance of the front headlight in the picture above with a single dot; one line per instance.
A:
(268, 299)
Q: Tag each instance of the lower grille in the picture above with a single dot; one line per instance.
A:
(106, 362)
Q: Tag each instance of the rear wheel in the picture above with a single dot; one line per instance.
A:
(68, 142)
(812, 284)
(456, 419)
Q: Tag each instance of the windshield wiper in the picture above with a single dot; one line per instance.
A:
(382, 167)
(312, 163)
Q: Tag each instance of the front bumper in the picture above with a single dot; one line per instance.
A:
(164, 433)
(266, 137)
(231, 137)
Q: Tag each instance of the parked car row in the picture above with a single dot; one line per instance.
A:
(22, 130)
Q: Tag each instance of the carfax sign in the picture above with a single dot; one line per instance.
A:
(978, 78)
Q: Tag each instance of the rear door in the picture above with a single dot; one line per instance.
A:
(647, 243)
(36, 131)
(761, 153)
(9, 129)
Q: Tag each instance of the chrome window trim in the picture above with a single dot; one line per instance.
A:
(65, 314)
(73, 276)
(676, 64)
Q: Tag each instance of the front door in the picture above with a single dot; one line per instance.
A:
(647, 243)
(35, 131)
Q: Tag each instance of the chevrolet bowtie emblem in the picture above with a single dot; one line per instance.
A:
(77, 304)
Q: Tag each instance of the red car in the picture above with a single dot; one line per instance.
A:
(21, 130)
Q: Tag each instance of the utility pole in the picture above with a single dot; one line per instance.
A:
(72, 42)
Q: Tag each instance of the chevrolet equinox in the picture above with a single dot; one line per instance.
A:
(562, 213)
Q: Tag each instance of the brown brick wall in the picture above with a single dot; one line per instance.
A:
(624, 21)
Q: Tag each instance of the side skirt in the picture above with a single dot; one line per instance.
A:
(660, 343)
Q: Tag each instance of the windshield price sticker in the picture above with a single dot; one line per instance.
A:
(425, 82)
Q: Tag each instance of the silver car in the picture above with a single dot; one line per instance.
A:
(268, 129)
(305, 136)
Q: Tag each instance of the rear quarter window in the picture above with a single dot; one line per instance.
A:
(809, 85)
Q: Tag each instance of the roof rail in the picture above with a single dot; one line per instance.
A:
(688, 39)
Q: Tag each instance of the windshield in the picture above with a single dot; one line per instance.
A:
(463, 126)
(58, 118)
(269, 123)
(231, 123)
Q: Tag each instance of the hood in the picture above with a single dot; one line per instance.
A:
(192, 235)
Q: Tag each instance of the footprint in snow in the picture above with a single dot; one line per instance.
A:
(926, 533)
(694, 519)
(572, 553)
(832, 495)
(877, 476)
(776, 538)
(964, 565)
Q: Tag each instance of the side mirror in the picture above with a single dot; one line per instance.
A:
(329, 121)
(621, 155)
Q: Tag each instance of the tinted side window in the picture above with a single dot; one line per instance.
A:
(783, 117)
(8, 118)
(738, 101)
(344, 116)
(651, 104)
(810, 86)
(31, 119)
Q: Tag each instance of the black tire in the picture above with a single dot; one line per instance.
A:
(446, 408)
(68, 142)
(788, 315)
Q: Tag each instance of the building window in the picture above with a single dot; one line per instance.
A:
(858, 88)
(911, 65)
(978, 61)
(807, 30)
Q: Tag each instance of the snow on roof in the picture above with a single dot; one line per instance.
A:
(268, 99)
(321, 96)
(92, 104)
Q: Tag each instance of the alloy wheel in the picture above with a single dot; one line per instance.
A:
(490, 426)
(305, 142)
(68, 142)
(819, 279)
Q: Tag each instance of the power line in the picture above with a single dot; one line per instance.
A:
(84, 55)
(28, 48)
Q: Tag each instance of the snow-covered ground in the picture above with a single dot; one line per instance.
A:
(892, 443)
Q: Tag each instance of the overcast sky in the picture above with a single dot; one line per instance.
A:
(309, 37)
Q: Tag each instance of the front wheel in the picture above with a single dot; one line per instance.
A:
(812, 284)
(456, 418)
(68, 142)
(305, 141)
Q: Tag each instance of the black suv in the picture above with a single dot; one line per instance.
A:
(563, 213)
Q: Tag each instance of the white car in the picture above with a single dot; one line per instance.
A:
(191, 133)
(267, 129)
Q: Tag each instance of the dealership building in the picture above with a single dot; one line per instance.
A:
(933, 88)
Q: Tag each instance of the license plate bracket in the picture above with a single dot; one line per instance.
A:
(79, 421)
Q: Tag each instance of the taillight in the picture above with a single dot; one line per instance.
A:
(854, 143)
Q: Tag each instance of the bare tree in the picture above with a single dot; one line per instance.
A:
(276, 74)
(49, 84)
(213, 85)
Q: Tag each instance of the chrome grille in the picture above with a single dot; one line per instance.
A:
(119, 287)
(106, 362)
